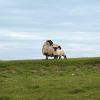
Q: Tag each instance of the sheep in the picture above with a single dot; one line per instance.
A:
(49, 49)
(60, 53)
(55, 47)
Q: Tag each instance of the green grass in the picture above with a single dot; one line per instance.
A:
(72, 79)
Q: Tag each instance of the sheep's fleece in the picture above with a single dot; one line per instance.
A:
(48, 48)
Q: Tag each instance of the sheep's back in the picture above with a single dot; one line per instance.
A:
(60, 52)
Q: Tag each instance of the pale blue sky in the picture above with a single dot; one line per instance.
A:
(26, 24)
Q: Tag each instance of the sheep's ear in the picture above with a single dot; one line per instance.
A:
(50, 42)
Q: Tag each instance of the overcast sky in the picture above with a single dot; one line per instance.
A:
(26, 24)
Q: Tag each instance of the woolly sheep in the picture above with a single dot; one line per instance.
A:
(60, 53)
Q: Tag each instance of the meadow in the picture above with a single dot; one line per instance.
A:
(72, 79)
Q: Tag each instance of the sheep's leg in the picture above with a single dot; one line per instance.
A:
(65, 57)
(55, 56)
(46, 57)
(59, 57)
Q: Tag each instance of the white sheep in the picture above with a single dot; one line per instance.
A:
(60, 53)
(47, 49)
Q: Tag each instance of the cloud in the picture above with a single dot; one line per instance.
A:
(76, 44)
(3, 46)
(25, 35)
(48, 16)
(21, 35)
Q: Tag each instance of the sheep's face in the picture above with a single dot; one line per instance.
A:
(55, 48)
(50, 42)
(47, 43)
(59, 47)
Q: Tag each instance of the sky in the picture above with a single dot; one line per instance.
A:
(26, 24)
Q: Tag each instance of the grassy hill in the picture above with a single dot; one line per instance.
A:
(72, 79)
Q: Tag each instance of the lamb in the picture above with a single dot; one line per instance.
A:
(60, 53)
(55, 47)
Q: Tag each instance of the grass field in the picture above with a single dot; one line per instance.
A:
(72, 79)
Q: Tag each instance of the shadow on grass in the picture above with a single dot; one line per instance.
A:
(4, 98)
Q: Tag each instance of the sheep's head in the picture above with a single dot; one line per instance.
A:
(50, 42)
(55, 48)
(59, 47)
